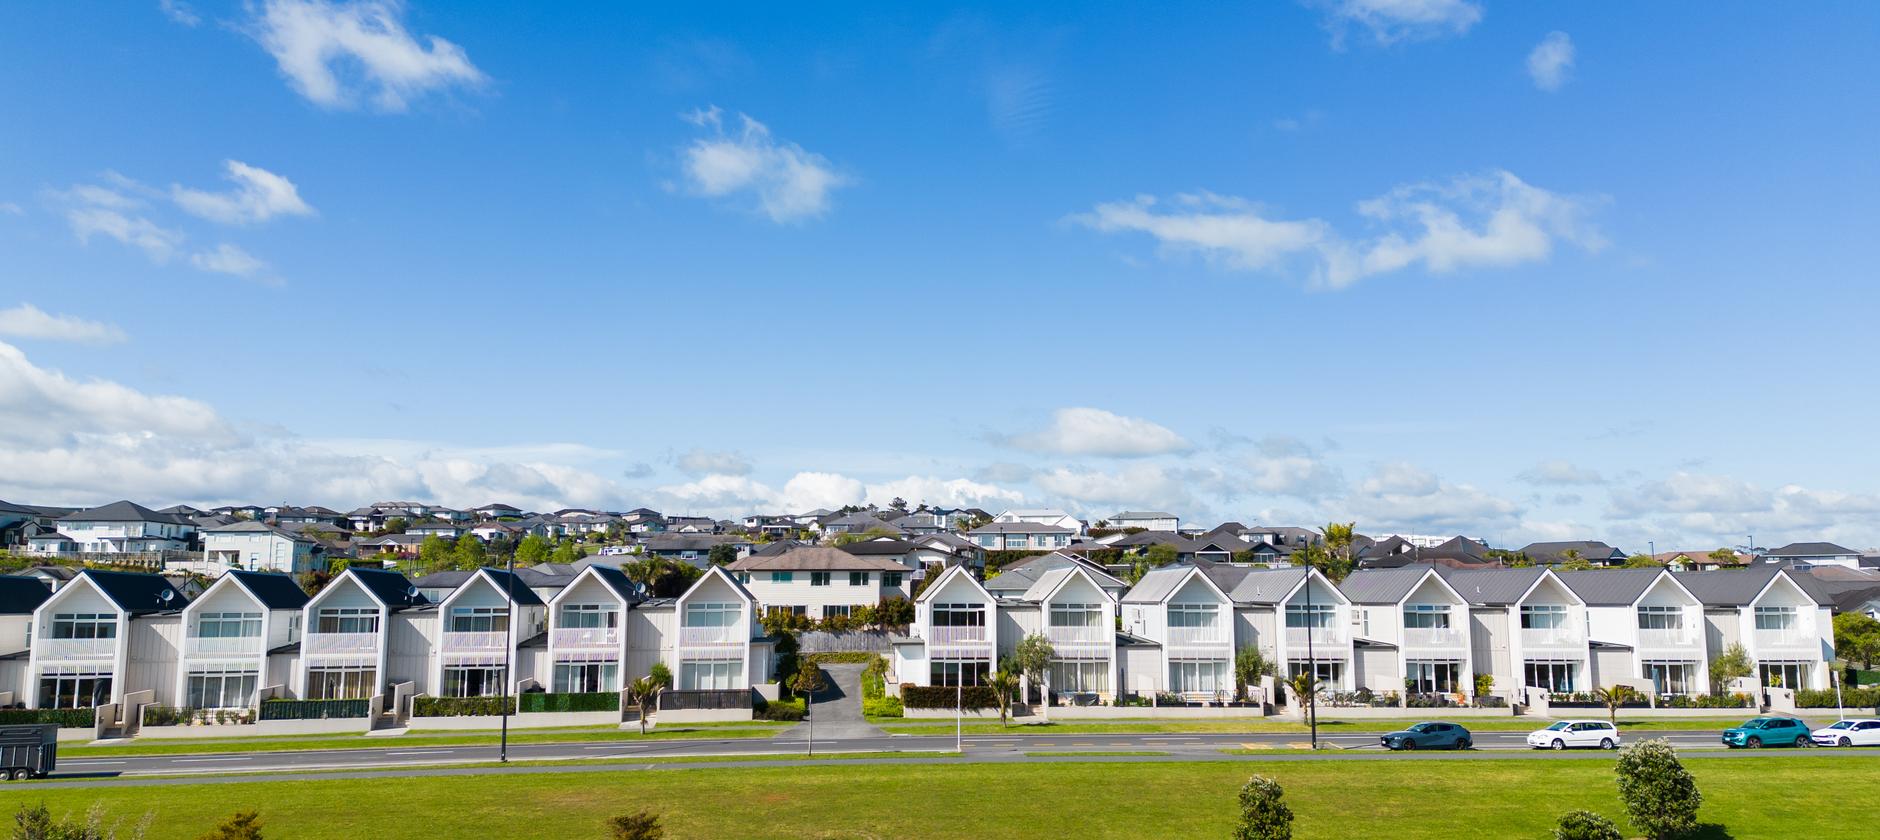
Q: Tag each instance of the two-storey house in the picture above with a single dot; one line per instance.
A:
(228, 632)
(260, 547)
(101, 631)
(820, 582)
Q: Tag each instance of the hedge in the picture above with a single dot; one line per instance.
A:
(1850, 697)
(185, 716)
(314, 709)
(1706, 701)
(461, 706)
(65, 718)
(843, 657)
(598, 701)
(948, 697)
(783, 710)
(882, 707)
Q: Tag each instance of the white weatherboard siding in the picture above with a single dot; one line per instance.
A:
(92, 656)
(800, 591)
(156, 644)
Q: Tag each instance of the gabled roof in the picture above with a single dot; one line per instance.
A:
(274, 591)
(1555, 552)
(21, 595)
(928, 592)
(1053, 580)
(719, 573)
(250, 526)
(387, 587)
(1741, 587)
(1493, 587)
(884, 546)
(948, 539)
(1158, 585)
(123, 511)
(613, 579)
(511, 584)
(1019, 577)
(1264, 587)
(1812, 549)
(1611, 587)
(814, 559)
(1388, 586)
(137, 593)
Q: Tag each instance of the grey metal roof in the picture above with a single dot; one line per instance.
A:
(1253, 586)
(124, 511)
(1490, 587)
(275, 591)
(1382, 586)
(1552, 552)
(1157, 585)
(1610, 587)
(137, 593)
(391, 588)
(1019, 577)
(1812, 549)
(1739, 587)
(815, 559)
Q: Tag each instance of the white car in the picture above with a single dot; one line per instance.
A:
(1853, 732)
(1575, 733)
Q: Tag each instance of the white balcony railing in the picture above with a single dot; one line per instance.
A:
(1297, 637)
(958, 635)
(586, 637)
(1440, 638)
(1075, 635)
(1552, 639)
(340, 643)
(1789, 638)
(77, 648)
(1661, 638)
(1196, 636)
(223, 646)
(709, 635)
(475, 641)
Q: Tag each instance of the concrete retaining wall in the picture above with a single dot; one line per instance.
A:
(1155, 713)
(262, 729)
(665, 716)
(1374, 712)
(866, 641)
(527, 720)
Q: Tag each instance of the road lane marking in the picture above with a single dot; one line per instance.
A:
(222, 758)
(420, 752)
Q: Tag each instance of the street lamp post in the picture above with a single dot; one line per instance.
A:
(509, 645)
(1312, 665)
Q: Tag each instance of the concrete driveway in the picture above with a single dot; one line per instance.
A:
(837, 709)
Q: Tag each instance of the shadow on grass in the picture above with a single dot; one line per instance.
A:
(1709, 831)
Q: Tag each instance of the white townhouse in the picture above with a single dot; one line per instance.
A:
(820, 582)
(1191, 619)
(368, 629)
(1526, 627)
(1805, 555)
(935, 551)
(954, 638)
(716, 646)
(118, 528)
(228, 633)
(1021, 536)
(1077, 615)
(1042, 516)
(1643, 625)
(587, 633)
(1148, 520)
(1778, 616)
(259, 547)
(481, 636)
(1297, 616)
(1412, 630)
(100, 633)
(19, 597)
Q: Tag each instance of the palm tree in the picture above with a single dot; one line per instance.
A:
(1618, 695)
(1004, 685)
(644, 693)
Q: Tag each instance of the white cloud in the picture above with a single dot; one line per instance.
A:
(45, 408)
(1141, 485)
(701, 462)
(1400, 495)
(1093, 431)
(12, 209)
(1722, 509)
(92, 210)
(1486, 221)
(227, 259)
(1391, 21)
(313, 41)
(942, 492)
(788, 183)
(811, 490)
(1551, 62)
(1560, 472)
(259, 195)
(29, 321)
(722, 493)
(180, 12)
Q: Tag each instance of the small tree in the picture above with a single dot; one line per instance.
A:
(468, 553)
(1732, 663)
(434, 553)
(1249, 666)
(1033, 658)
(242, 825)
(531, 551)
(807, 680)
(1585, 825)
(639, 825)
(722, 554)
(660, 675)
(1004, 684)
(1618, 694)
(1484, 683)
(1857, 638)
(1263, 813)
(644, 693)
(1661, 798)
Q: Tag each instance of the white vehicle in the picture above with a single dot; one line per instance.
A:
(1853, 732)
(1575, 733)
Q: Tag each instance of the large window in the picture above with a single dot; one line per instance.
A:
(859, 578)
(1192, 615)
(782, 577)
(1316, 615)
(347, 620)
(1329, 674)
(74, 689)
(1080, 675)
(1775, 618)
(958, 671)
(1433, 677)
(586, 616)
(1672, 677)
(695, 676)
(479, 620)
(891, 579)
(472, 681)
(1016, 541)
(1544, 617)
(1783, 674)
(832, 610)
(1426, 616)
(1660, 618)
(228, 625)
(84, 626)
(1553, 675)
(341, 682)
(575, 677)
(1207, 677)
(959, 615)
(1076, 615)
(818, 578)
(712, 615)
(222, 688)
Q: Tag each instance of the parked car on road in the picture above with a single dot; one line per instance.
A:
(1576, 733)
(1432, 735)
(1769, 732)
(1853, 732)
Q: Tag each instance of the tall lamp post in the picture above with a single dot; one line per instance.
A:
(509, 639)
(1312, 664)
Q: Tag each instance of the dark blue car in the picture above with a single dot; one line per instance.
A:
(1430, 735)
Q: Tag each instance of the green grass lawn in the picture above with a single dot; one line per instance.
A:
(418, 738)
(1820, 795)
(1327, 724)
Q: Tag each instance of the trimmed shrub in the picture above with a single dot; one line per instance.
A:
(1263, 813)
(597, 701)
(1705, 701)
(843, 657)
(947, 697)
(1850, 697)
(313, 709)
(882, 707)
(461, 706)
(1661, 798)
(66, 718)
(1585, 825)
(781, 710)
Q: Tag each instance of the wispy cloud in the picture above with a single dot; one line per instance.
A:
(228, 259)
(705, 462)
(179, 12)
(94, 210)
(1392, 21)
(789, 183)
(1093, 431)
(315, 42)
(258, 195)
(1551, 62)
(31, 322)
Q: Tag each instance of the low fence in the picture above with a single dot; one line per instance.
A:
(705, 699)
(847, 641)
(314, 709)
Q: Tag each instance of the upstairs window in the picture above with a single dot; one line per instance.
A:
(818, 578)
(1660, 618)
(84, 626)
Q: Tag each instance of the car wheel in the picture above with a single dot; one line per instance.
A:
(1803, 741)
(1605, 743)
(1410, 745)
(1463, 744)
(1845, 742)
(1559, 744)
(1753, 743)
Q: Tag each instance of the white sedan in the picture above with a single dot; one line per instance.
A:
(1575, 733)
(1854, 732)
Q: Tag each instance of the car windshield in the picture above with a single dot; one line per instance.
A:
(1558, 727)
(1842, 724)
(1422, 727)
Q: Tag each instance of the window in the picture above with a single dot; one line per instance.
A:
(1775, 618)
(1426, 616)
(1207, 677)
(586, 677)
(711, 615)
(1433, 677)
(74, 689)
(1080, 675)
(818, 578)
(222, 688)
(989, 541)
(890, 579)
(344, 682)
(1555, 676)
(347, 620)
(709, 676)
(1328, 673)
(959, 615)
(228, 625)
(479, 620)
(1016, 541)
(1076, 615)
(84, 626)
(1672, 677)
(582, 616)
(1783, 674)
(1660, 618)
(1192, 615)
(744, 577)
(1544, 617)
(843, 610)
(958, 671)
(1317, 615)
(472, 681)
(858, 578)
(782, 577)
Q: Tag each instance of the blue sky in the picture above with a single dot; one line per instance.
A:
(1521, 271)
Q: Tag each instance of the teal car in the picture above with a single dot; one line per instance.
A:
(1769, 732)
(1432, 735)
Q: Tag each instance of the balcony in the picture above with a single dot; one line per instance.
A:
(1080, 635)
(958, 635)
(77, 648)
(586, 637)
(1196, 636)
(1298, 637)
(1434, 638)
(1536, 640)
(1786, 639)
(316, 643)
(1666, 638)
(484, 641)
(710, 635)
(222, 646)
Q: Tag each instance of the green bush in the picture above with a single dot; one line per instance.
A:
(65, 718)
(598, 701)
(1705, 701)
(314, 709)
(639, 825)
(882, 707)
(1585, 825)
(1263, 811)
(1850, 697)
(947, 697)
(461, 706)
(174, 716)
(783, 710)
(875, 678)
(1661, 798)
(843, 657)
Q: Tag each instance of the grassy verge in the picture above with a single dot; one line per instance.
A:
(1086, 753)
(1326, 725)
(434, 738)
(1441, 799)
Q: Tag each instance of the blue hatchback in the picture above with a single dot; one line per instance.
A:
(1432, 735)
(1769, 732)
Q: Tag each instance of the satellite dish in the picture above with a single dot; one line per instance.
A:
(411, 592)
(167, 595)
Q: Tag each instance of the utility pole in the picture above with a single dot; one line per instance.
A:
(509, 646)
(1312, 664)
